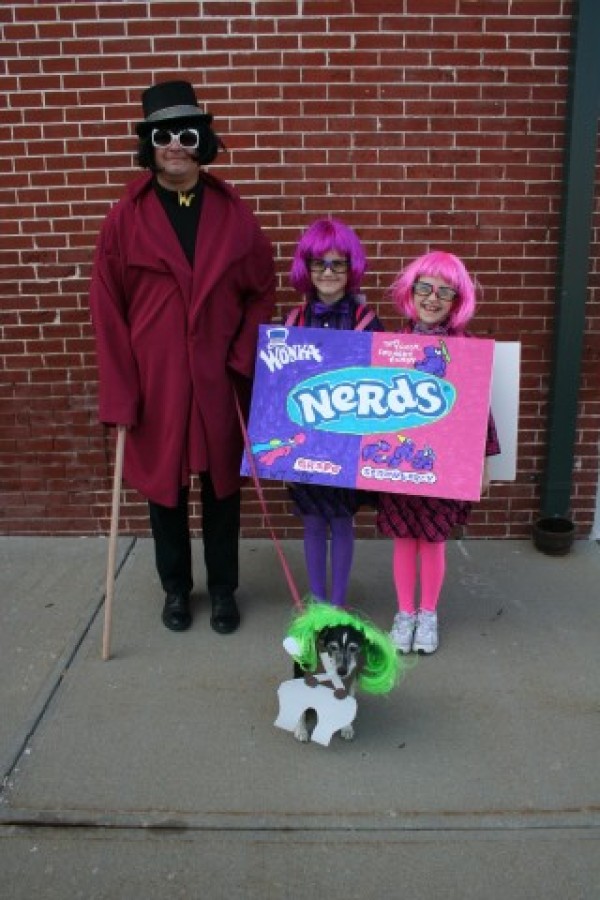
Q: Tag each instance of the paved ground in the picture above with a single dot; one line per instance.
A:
(159, 774)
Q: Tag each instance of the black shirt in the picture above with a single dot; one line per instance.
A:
(183, 209)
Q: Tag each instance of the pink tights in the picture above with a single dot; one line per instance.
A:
(432, 570)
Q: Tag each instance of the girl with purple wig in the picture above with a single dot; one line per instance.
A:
(327, 269)
(437, 296)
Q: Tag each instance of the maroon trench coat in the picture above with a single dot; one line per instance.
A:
(170, 340)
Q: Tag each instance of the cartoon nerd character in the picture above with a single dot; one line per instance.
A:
(435, 361)
(268, 452)
(423, 460)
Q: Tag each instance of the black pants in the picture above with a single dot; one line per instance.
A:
(220, 536)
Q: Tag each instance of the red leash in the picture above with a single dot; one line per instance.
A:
(252, 465)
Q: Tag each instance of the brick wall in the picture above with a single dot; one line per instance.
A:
(420, 122)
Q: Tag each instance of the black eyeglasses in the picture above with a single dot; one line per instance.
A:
(425, 289)
(188, 138)
(337, 266)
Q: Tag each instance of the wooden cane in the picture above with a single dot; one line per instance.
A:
(112, 541)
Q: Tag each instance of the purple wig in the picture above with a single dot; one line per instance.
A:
(437, 264)
(324, 236)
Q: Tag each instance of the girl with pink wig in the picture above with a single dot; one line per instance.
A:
(327, 269)
(437, 296)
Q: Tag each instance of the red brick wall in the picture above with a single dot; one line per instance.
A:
(421, 122)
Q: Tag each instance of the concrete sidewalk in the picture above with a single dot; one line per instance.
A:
(159, 773)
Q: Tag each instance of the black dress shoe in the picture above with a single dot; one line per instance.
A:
(225, 616)
(176, 613)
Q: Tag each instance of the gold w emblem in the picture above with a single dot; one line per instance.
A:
(186, 199)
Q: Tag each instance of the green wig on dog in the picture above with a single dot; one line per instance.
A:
(382, 666)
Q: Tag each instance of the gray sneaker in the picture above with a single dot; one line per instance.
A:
(426, 633)
(403, 630)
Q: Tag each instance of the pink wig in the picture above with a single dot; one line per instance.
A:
(325, 236)
(436, 264)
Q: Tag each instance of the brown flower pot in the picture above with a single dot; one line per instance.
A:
(553, 535)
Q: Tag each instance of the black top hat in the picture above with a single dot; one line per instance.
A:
(168, 101)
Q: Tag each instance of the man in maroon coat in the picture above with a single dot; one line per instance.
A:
(182, 278)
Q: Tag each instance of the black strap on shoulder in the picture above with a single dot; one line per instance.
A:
(296, 315)
(364, 316)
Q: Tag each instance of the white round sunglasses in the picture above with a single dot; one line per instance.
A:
(188, 138)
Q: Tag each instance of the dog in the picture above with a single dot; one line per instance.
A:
(340, 650)
(333, 650)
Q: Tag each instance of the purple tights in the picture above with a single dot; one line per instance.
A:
(315, 554)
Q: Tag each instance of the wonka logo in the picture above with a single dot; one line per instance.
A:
(354, 401)
(279, 354)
